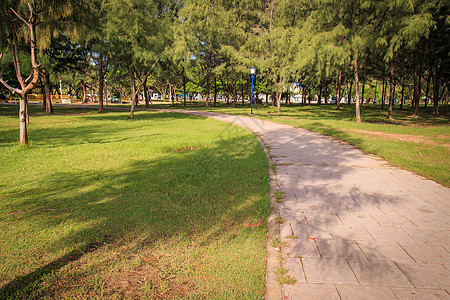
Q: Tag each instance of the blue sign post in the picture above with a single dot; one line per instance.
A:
(252, 71)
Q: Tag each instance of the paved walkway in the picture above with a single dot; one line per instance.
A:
(354, 227)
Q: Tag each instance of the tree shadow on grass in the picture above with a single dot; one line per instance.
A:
(24, 287)
(108, 129)
(187, 193)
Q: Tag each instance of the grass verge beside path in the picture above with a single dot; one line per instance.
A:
(101, 206)
(421, 145)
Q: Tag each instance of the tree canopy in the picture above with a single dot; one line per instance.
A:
(322, 47)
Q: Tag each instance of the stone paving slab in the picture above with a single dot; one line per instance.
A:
(425, 253)
(358, 292)
(424, 275)
(311, 292)
(331, 271)
(340, 249)
(381, 272)
(420, 294)
(394, 224)
(384, 251)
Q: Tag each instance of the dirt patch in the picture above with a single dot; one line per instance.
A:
(420, 139)
(188, 148)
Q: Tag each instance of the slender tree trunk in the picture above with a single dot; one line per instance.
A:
(215, 92)
(304, 96)
(403, 93)
(83, 90)
(375, 94)
(279, 94)
(48, 97)
(170, 94)
(349, 93)
(175, 96)
(133, 91)
(418, 91)
(358, 112)
(267, 100)
(383, 92)
(207, 87)
(23, 112)
(144, 85)
(363, 89)
(184, 90)
(446, 96)
(391, 88)
(234, 93)
(242, 91)
(427, 90)
(43, 96)
(319, 93)
(436, 96)
(338, 91)
(100, 84)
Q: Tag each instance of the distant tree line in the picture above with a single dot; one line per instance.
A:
(344, 48)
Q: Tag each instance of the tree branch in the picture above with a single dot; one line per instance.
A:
(17, 15)
(5, 83)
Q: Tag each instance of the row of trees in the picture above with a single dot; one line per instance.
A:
(208, 46)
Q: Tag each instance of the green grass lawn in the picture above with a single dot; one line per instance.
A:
(101, 206)
(421, 145)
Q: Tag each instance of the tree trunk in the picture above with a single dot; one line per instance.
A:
(100, 84)
(391, 88)
(363, 89)
(319, 93)
(358, 112)
(279, 94)
(175, 96)
(234, 94)
(23, 116)
(267, 100)
(436, 85)
(375, 93)
(403, 94)
(418, 90)
(338, 91)
(184, 90)
(349, 93)
(170, 93)
(47, 95)
(278, 101)
(304, 92)
(133, 91)
(383, 92)
(43, 96)
(207, 87)
(446, 96)
(427, 90)
(242, 91)
(215, 92)
(144, 85)
(83, 89)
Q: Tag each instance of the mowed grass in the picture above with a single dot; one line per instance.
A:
(421, 145)
(101, 206)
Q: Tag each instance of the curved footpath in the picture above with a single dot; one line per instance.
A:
(354, 227)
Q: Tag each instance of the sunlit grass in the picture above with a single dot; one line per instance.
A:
(101, 206)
